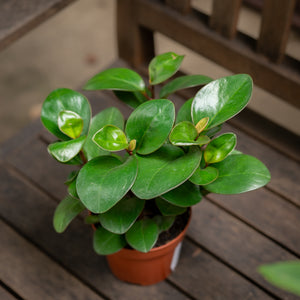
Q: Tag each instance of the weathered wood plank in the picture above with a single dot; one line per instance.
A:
(32, 274)
(182, 6)
(225, 16)
(135, 43)
(268, 213)
(72, 249)
(17, 17)
(235, 243)
(199, 273)
(236, 55)
(5, 295)
(275, 27)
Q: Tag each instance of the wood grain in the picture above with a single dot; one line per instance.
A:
(275, 28)
(34, 275)
(225, 16)
(17, 17)
(236, 244)
(182, 6)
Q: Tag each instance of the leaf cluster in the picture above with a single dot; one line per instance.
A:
(137, 175)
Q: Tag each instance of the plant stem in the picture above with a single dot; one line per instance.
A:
(83, 158)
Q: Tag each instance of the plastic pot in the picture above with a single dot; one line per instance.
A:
(147, 268)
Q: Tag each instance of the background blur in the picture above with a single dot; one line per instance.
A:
(80, 41)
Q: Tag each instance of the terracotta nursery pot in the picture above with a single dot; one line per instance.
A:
(147, 268)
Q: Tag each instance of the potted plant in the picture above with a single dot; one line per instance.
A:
(139, 178)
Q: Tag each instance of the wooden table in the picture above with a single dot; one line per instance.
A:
(229, 236)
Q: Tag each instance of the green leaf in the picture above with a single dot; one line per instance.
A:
(106, 242)
(183, 82)
(122, 216)
(91, 219)
(184, 113)
(238, 174)
(109, 116)
(285, 275)
(168, 209)
(200, 126)
(132, 99)
(72, 189)
(219, 148)
(142, 235)
(204, 176)
(187, 194)
(65, 100)
(164, 223)
(70, 123)
(222, 99)
(120, 79)
(104, 181)
(150, 125)
(65, 151)
(164, 66)
(164, 170)
(65, 212)
(183, 134)
(111, 138)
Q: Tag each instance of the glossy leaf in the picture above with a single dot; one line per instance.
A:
(184, 113)
(65, 151)
(238, 174)
(111, 138)
(187, 194)
(150, 124)
(184, 134)
(222, 99)
(104, 181)
(120, 79)
(219, 148)
(183, 82)
(164, 223)
(70, 123)
(122, 216)
(65, 212)
(65, 100)
(164, 66)
(168, 209)
(204, 176)
(164, 170)
(72, 189)
(106, 242)
(109, 116)
(285, 275)
(132, 99)
(142, 235)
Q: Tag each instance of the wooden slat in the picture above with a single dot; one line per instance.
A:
(235, 243)
(276, 22)
(197, 273)
(182, 6)
(236, 55)
(225, 16)
(73, 249)
(264, 211)
(17, 17)
(135, 44)
(32, 274)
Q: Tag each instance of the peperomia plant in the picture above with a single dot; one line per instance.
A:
(167, 160)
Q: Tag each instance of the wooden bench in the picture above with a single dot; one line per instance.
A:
(229, 236)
